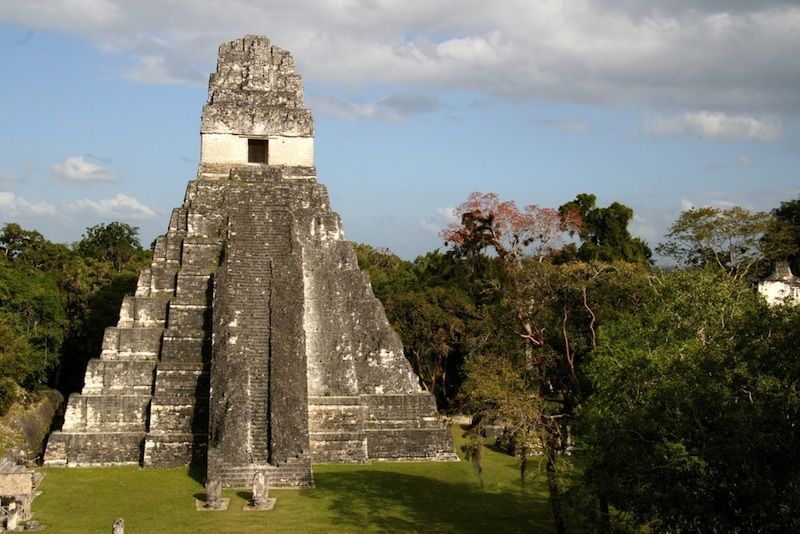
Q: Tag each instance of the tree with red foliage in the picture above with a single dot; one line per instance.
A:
(486, 222)
(533, 386)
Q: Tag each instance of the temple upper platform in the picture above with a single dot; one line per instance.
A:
(255, 111)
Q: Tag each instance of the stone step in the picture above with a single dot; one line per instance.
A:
(161, 279)
(181, 382)
(333, 400)
(135, 343)
(118, 377)
(189, 316)
(169, 416)
(201, 254)
(204, 221)
(143, 282)
(168, 248)
(186, 349)
(194, 288)
(120, 413)
(326, 448)
(174, 449)
(296, 474)
(177, 365)
(76, 449)
(177, 220)
(142, 312)
(411, 444)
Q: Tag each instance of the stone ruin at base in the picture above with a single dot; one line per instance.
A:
(253, 342)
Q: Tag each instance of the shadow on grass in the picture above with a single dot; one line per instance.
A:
(394, 502)
(498, 449)
(198, 474)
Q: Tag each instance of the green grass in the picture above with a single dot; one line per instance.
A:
(379, 497)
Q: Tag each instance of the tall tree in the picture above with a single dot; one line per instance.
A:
(604, 233)
(115, 242)
(727, 238)
(30, 247)
(782, 237)
(527, 382)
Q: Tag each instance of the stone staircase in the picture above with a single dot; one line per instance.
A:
(178, 430)
(295, 472)
(145, 399)
(259, 284)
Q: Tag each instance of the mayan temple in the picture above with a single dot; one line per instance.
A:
(253, 342)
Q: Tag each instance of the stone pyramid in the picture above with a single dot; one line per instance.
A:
(253, 342)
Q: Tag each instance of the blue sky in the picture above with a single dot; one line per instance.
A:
(659, 105)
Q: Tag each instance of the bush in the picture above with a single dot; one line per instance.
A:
(8, 394)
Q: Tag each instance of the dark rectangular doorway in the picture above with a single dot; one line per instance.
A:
(257, 151)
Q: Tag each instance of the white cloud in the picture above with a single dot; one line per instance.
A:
(745, 160)
(448, 215)
(732, 55)
(394, 108)
(569, 126)
(16, 206)
(715, 126)
(120, 207)
(430, 226)
(8, 177)
(686, 204)
(640, 227)
(77, 170)
(435, 224)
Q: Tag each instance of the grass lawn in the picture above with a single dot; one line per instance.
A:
(378, 497)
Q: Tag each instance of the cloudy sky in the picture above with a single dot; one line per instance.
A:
(661, 105)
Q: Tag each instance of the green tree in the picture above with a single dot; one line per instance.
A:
(115, 242)
(604, 234)
(427, 303)
(727, 238)
(781, 239)
(526, 368)
(30, 247)
(32, 322)
(691, 425)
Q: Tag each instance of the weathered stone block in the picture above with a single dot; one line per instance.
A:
(93, 449)
(143, 312)
(200, 254)
(194, 288)
(118, 377)
(111, 412)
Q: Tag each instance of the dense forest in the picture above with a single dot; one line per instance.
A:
(675, 388)
(660, 397)
(56, 301)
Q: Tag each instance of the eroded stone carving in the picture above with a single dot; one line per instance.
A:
(260, 499)
(213, 493)
(12, 515)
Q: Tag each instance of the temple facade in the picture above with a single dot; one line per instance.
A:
(253, 343)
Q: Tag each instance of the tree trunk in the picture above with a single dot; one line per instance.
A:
(552, 486)
(605, 519)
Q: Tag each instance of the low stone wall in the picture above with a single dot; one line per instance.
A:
(94, 449)
(354, 429)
